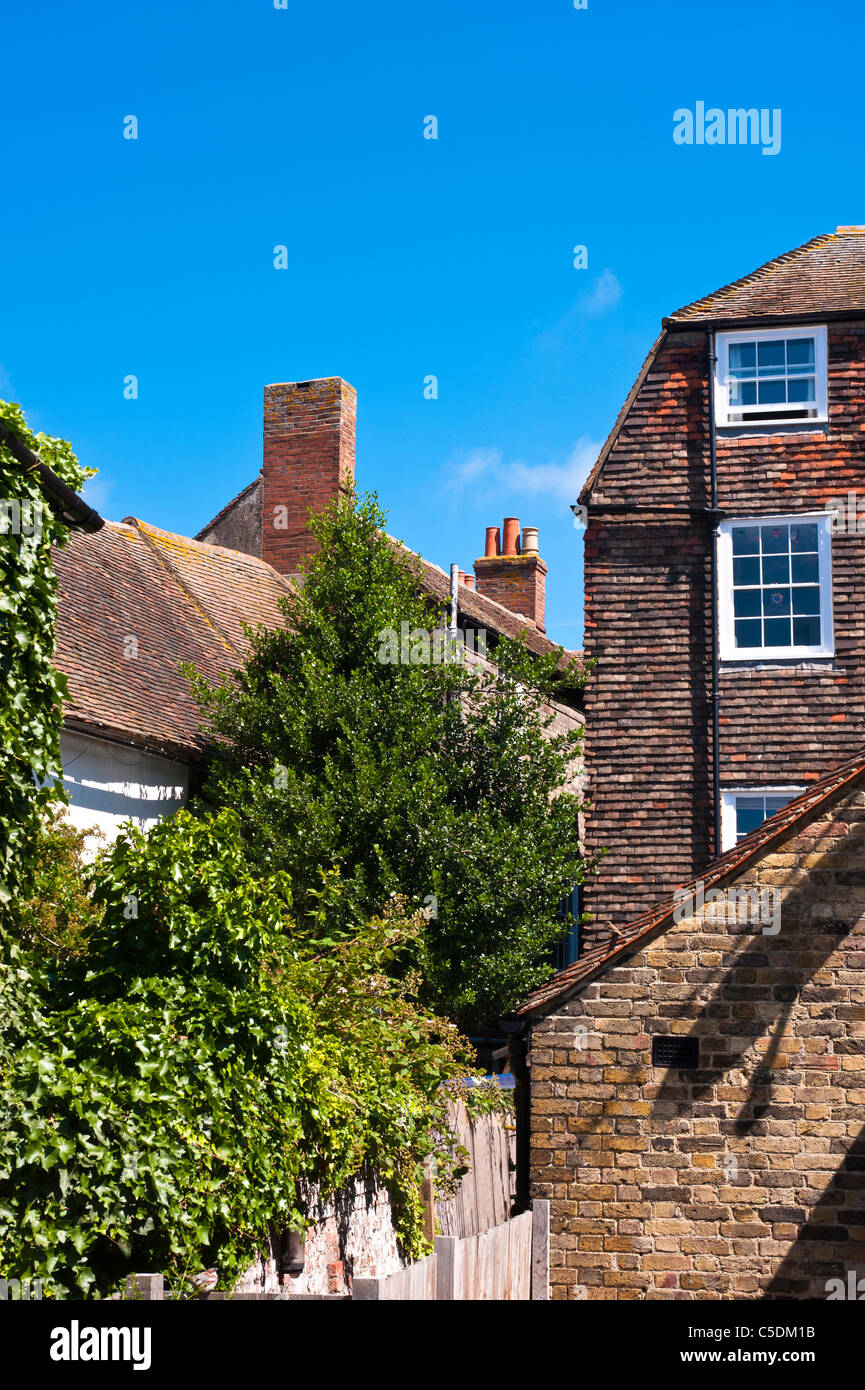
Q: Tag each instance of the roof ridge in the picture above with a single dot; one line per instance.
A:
(172, 570)
(761, 272)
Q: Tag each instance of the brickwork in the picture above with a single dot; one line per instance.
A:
(518, 582)
(648, 623)
(744, 1178)
(309, 440)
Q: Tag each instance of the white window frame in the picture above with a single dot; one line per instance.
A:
(728, 651)
(723, 343)
(729, 838)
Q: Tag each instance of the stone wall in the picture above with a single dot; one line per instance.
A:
(744, 1178)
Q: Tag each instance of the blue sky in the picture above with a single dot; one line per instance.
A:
(408, 257)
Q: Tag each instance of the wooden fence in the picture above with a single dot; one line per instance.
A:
(485, 1193)
(507, 1263)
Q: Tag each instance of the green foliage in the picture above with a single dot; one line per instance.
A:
(440, 783)
(30, 688)
(175, 1091)
(57, 920)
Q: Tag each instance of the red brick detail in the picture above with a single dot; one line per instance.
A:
(309, 440)
(518, 582)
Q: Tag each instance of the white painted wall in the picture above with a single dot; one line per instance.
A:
(109, 784)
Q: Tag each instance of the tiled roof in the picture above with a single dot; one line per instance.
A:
(824, 276)
(180, 601)
(728, 867)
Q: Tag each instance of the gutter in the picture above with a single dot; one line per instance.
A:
(70, 507)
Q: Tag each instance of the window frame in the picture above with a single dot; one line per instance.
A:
(727, 649)
(729, 837)
(724, 341)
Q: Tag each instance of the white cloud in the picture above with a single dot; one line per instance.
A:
(603, 297)
(489, 474)
(96, 491)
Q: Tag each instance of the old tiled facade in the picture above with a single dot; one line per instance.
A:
(650, 534)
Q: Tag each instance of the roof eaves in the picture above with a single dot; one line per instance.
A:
(632, 935)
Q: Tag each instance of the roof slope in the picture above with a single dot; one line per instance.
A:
(729, 865)
(180, 601)
(825, 275)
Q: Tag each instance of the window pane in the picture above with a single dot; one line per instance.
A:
(806, 600)
(746, 540)
(806, 632)
(776, 569)
(748, 633)
(802, 390)
(771, 354)
(777, 803)
(746, 603)
(777, 631)
(772, 392)
(775, 539)
(743, 393)
(805, 569)
(776, 602)
(746, 570)
(748, 819)
(803, 537)
(743, 355)
(800, 351)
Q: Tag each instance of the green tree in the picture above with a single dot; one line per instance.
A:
(55, 921)
(439, 782)
(175, 1093)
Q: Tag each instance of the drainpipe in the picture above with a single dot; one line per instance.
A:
(716, 695)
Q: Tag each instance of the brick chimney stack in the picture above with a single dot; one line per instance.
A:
(309, 435)
(512, 572)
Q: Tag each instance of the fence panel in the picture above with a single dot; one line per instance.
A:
(485, 1193)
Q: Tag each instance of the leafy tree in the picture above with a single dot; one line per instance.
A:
(55, 922)
(440, 782)
(175, 1092)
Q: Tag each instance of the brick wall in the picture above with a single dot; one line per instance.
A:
(517, 582)
(309, 441)
(648, 623)
(746, 1178)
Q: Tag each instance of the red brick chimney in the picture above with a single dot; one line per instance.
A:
(309, 430)
(516, 578)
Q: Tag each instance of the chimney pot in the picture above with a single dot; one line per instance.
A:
(511, 541)
(469, 581)
(530, 540)
(493, 542)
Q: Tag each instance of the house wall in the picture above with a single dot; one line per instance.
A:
(109, 783)
(746, 1178)
(648, 624)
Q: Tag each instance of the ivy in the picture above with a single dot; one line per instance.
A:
(184, 1087)
(31, 689)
